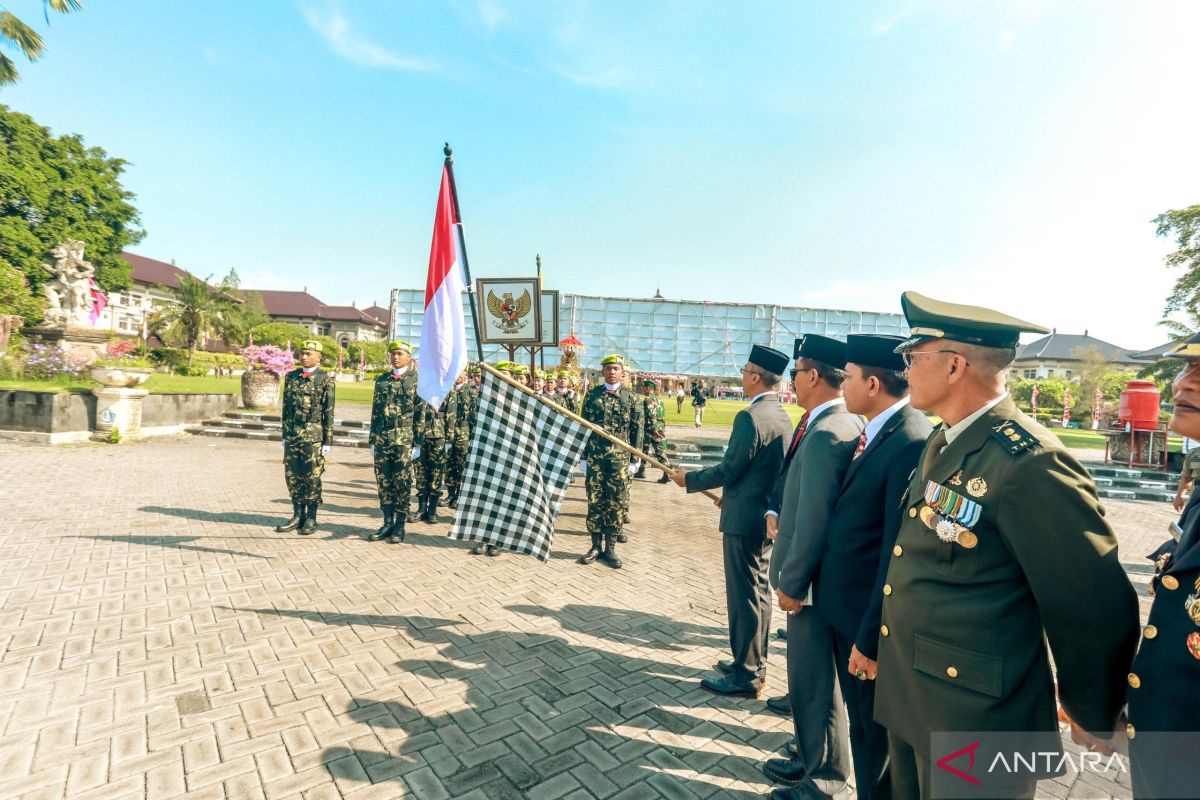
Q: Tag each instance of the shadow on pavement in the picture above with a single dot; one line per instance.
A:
(174, 543)
(637, 628)
(538, 705)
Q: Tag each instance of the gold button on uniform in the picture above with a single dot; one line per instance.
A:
(1130, 731)
(887, 589)
(883, 629)
(1134, 680)
(912, 512)
(952, 672)
(1169, 582)
(1150, 632)
(897, 551)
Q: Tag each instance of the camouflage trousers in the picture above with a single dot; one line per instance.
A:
(456, 465)
(433, 467)
(303, 464)
(607, 485)
(656, 448)
(393, 474)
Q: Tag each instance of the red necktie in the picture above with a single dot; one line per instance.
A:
(862, 444)
(797, 436)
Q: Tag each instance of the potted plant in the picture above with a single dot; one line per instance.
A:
(264, 367)
(119, 367)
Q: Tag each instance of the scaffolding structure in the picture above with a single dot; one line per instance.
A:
(673, 337)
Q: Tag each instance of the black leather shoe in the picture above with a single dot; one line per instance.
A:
(664, 479)
(779, 705)
(725, 687)
(790, 750)
(389, 517)
(478, 549)
(493, 551)
(788, 771)
(790, 793)
(781, 633)
(725, 666)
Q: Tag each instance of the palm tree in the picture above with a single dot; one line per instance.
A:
(14, 33)
(1164, 370)
(199, 310)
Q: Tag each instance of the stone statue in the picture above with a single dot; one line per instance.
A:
(69, 292)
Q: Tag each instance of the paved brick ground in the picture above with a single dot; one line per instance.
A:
(158, 639)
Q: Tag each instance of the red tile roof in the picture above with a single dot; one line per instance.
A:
(378, 312)
(303, 304)
(147, 270)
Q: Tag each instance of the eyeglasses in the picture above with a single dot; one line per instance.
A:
(795, 372)
(909, 356)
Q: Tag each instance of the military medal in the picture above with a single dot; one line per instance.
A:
(967, 538)
(1193, 644)
(956, 479)
(950, 515)
(977, 487)
(1192, 604)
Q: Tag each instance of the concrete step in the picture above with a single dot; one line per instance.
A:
(1133, 483)
(340, 439)
(244, 418)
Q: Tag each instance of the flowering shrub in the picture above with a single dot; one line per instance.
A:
(47, 362)
(122, 348)
(269, 358)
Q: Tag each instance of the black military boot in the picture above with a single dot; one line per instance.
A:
(610, 552)
(429, 506)
(452, 499)
(664, 479)
(310, 520)
(389, 517)
(620, 537)
(641, 473)
(295, 522)
(412, 515)
(395, 534)
(594, 553)
(478, 549)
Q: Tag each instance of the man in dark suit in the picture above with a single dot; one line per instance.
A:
(1003, 558)
(826, 440)
(748, 472)
(862, 526)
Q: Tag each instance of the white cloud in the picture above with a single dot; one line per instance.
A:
(336, 31)
(884, 26)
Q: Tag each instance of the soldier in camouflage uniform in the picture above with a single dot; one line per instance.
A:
(565, 395)
(457, 408)
(618, 411)
(308, 398)
(433, 462)
(471, 394)
(654, 435)
(397, 418)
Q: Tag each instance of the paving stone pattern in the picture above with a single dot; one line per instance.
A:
(158, 639)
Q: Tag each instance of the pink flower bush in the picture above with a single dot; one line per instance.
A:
(122, 348)
(269, 358)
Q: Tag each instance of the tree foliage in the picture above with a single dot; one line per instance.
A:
(1184, 227)
(15, 33)
(281, 334)
(55, 188)
(199, 310)
(375, 354)
(15, 297)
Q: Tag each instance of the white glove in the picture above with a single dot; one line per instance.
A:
(446, 447)
(583, 468)
(416, 453)
(372, 451)
(326, 449)
(633, 467)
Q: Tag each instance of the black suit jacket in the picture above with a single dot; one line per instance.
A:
(749, 469)
(862, 529)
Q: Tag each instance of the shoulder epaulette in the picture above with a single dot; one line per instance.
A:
(1013, 437)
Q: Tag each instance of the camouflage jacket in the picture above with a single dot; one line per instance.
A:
(456, 412)
(568, 400)
(656, 417)
(308, 407)
(397, 413)
(470, 397)
(619, 413)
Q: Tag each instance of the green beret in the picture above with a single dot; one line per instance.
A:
(504, 366)
(613, 358)
(472, 368)
(400, 345)
(562, 373)
(649, 382)
(312, 344)
(519, 369)
(930, 319)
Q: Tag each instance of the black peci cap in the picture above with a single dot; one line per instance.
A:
(874, 350)
(769, 359)
(825, 349)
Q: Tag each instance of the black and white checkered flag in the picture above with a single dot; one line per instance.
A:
(518, 467)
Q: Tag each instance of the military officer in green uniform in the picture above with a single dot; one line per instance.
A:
(1164, 684)
(616, 410)
(308, 399)
(1003, 559)
(654, 437)
(458, 411)
(397, 421)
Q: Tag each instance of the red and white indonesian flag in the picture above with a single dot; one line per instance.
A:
(443, 331)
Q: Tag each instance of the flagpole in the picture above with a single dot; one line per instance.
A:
(589, 425)
(462, 242)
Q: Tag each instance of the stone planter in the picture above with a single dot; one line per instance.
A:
(120, 377)
(260, 389)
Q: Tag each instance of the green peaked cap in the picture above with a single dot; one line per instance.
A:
(930, 319)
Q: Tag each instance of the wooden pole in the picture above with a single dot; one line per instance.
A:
(589, 425)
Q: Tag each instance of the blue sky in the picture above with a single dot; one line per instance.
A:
(810, 153)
